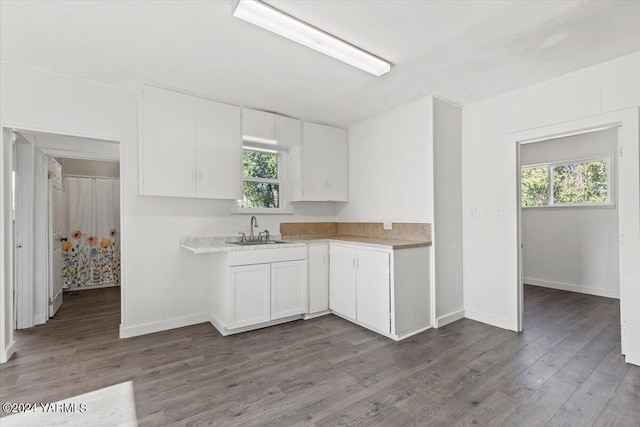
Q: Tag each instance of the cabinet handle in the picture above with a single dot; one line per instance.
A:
(199, 175)
(353, 263)
(358, 264)
(193, 175)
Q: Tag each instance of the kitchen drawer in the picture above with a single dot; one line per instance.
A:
(263, 256)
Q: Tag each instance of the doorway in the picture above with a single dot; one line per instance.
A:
(624, 124)
(73, 225)
(569, 213)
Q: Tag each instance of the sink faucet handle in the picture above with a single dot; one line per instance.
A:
(266, 235)
(244, 237)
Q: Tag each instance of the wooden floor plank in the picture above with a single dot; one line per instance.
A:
(564, 369)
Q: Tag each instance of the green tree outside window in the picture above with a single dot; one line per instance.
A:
(261, 188)
(573, 183)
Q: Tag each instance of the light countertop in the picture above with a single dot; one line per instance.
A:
(369, 241)
(214, 244)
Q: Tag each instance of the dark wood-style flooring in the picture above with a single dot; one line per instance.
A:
(565, 369)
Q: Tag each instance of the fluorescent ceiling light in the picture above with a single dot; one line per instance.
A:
(265, 16)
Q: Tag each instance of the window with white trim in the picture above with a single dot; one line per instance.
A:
(585, 182)
(262, 178)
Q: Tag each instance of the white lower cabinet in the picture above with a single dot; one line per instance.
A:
(342, 282)
(250, 293)
(318, 277)
(372, 289)
(360, 286)
(288, 290)
(256, 288)
(384, 290)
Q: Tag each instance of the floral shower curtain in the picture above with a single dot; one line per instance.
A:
(91, 254)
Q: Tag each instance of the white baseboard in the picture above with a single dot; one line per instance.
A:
(39, 319)
(87, 287)
(219, 325)
(449, 318)
(499, 322)
(314, 315)
(412, 333)
(572, 288)
(8, 352)
(163, 325)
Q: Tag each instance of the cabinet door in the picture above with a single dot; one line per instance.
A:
(342, 283)
(288, 289)
(314, 160)
(337, 165)
(218, 150)
(372, 291)
(288, 131)
(168, 147)
(258, 124)
(318, 277)
(250, 295)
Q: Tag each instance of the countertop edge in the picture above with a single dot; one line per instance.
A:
(407, 244)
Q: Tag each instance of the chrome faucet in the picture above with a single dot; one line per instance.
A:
(254, 224)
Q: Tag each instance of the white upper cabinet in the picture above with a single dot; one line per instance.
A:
(168, 147)
(336, 164)
(258, 124)
(190, 147)
(218, 150)
(320, 164)
(288, 131)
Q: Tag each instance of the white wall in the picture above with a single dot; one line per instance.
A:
(574, 249)
(447, 228)
(391, 171)
(489, 168)
(404, 166)
(159, 291)
(391, 166)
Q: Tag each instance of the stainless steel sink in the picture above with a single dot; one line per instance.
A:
(259, 242)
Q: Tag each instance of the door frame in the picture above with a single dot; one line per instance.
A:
(7, 344)
(23, 249)
(628, 172)
(43, 239)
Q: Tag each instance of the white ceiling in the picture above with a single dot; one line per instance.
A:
(461, 50)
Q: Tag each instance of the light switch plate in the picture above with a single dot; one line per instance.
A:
(387, 225)
(474, 213)
(499, 210)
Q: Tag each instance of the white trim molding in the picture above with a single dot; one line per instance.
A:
(8, 352)
(601, 292)
(500, 322)
(164, 325)
(628, 201)
(449, 318)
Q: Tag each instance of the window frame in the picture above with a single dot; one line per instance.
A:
(608, 158)
(281, 156)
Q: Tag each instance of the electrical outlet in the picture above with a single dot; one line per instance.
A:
(387, 225)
